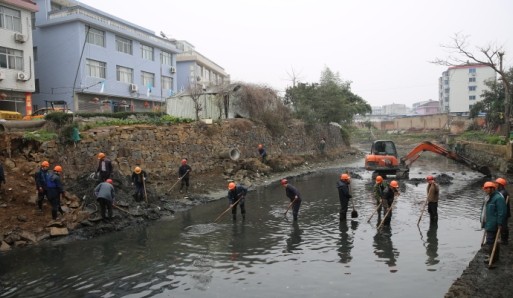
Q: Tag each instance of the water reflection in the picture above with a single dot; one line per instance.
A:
(237, 244)
(346, 242)
(384, 248)
(294, 238)
(432, 245)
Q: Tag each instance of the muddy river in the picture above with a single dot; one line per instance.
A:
(268, 255)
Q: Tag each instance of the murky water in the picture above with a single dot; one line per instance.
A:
(268, 255)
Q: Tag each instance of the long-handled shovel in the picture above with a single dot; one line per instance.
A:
(354, 213)
(119, 208)
(179, 179)
(224, 212)
(422, 212)
(483, 239)
(497, 235)
(145, 195)
(290, 205)
(379, 205)
(386, 215)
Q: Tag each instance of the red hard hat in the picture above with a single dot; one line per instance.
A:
(57, 169)
(284, 181)
(184, 161)
(489, 184)
(501, 181)
(379, 179)
(109, 181)
(344, 177)
(231, 186)
(45, 164)
(428, 178)
(394, 184)
(101, 155)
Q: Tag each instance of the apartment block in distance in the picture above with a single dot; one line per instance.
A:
(16, 56)
(460, 87)
(194, 68)
(97, 62)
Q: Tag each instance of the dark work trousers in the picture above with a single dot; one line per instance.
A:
(433, 211)
(56, 205)
(344, 202)
(105, 205)
(242, 209)
(185, 181)
(104, 176)
(388, 219)
(139, 192)
(295, 208)
(505, 229)
(490, 239)
(40, 197)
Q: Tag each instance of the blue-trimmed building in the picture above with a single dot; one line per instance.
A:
(99, 63)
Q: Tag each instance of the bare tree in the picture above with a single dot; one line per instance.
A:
(195, 91)
(491, 55)
(294, 77)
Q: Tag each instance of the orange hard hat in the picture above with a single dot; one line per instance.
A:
(45, 164)
(429, 178)
(101, 155)
(57, 169)
(184, 161)
(231, 186)
(379, 179)
(109, 181)
(501, 181)
(137, 170)
(260, 145)
(344, 177)
(489, 184)
(284, 181)
(394, 184)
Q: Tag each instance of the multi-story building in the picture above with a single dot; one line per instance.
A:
(395, 109)
(97, 62)
(460, 87)
(426, 107)
(194, 68)
(16, 56)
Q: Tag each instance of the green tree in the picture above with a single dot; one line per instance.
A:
(330, 100)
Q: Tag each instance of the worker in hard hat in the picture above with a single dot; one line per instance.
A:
(236, 196)
(344, 194)
(41, 176)
(138, 180)
(183, 174)
(493, 213)
(294, 196)
(379, 188)
(389, 194)
(501, 188)
(262, 152)
(55, 190)
(433, 194)
(105, 196)
(104, 170)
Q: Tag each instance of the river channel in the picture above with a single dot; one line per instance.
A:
(269, 255)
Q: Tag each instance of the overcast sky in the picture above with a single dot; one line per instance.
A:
(383, 47)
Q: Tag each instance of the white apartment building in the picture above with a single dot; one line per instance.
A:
(460, 87)
(17, 80)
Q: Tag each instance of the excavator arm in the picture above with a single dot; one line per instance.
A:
(415, 153)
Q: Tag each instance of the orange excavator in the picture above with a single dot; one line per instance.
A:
(383, 158)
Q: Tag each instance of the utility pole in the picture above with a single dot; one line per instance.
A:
(505, 83)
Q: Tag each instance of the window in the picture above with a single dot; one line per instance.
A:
(124, 45)
(34, 49)
(96, 68)
(10, 19)
(95, 36)
(167, 83)
(124, 74)
(472, 97)
(147, 52)
(147, 79)
(472, 79)
(11, 59)
(472, 88)
(37, 86)
(447, 99)
(33, 20)
(55, 6)
(471, 70)
(166, 59)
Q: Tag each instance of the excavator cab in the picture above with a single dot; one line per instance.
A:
(383, 158)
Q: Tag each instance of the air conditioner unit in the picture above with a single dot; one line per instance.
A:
(21, 76)
(2, 75)
(133, 88)
(172, 69)
(18, 37)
